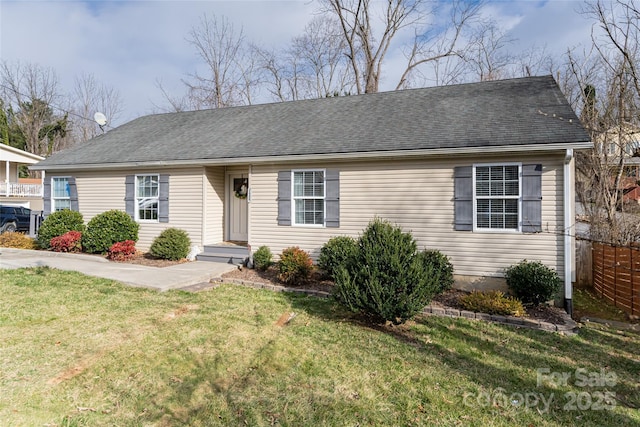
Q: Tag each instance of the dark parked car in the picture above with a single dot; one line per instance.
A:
(14, 218)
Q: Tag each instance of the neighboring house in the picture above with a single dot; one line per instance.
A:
(483, 172)
(623, 142)
(16, 191)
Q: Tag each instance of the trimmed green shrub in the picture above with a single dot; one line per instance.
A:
(57, 224)
(388, 280)
(295, 266)
(492, 302)
(440, 263)
(533, 282)
(68, 242)
(107, 228)
(338, 251)
(172, 244)
(262, 258)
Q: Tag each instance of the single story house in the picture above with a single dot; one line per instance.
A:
(484, 172)
(16, 191)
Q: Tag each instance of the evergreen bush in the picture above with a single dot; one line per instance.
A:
(262, 258)
(388, 280)
(533, 282)
(58, 223)
(295, 266)
(172, 244)
(441, 264)
(338, 251)
(107, 228)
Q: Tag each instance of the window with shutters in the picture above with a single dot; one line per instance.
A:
(147, 197)
(308, 197)
(497, 197)
(60, 194)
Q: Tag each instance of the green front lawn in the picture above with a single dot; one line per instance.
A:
(78, 351)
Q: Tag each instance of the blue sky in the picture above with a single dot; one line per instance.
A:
(131, 44)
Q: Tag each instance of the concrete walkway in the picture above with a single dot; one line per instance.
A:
(162, 279)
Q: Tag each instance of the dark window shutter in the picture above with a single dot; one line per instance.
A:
(130, 195)
(163, 205)
(463, 198)
(284, 198)
(532, 198)
(73, 194)
(46, 194)
(332, 198)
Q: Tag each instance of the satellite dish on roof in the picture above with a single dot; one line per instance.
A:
(100, 119)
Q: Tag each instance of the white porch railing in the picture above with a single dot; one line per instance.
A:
(9, 189)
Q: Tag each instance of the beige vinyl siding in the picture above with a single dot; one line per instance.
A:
(418, 196)
(105, 190)
(214, 205)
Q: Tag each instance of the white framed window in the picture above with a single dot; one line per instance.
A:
(497, 190)
(147, 197)
(308, 197)
(60, 194)
(612, 149)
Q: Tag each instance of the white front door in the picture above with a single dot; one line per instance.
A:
(238, 212)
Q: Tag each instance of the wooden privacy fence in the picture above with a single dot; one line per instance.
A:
(616, 276)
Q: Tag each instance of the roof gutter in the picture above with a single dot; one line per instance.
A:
(436, 152)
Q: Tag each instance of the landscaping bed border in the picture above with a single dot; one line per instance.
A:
(569, 328)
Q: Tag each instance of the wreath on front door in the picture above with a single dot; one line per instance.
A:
(241, 187)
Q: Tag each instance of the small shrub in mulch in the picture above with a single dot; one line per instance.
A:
(122, 251)
(172, 244)
(262, 258)
(533, 282)
(295, 266)
(68, 242)
(492, 302)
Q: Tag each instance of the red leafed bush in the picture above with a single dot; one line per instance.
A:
(68, 242)
(122, 251)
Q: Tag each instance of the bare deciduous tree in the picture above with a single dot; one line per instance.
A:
(314, 65)
(369, 28)
(228, 79)
(89, 97)
(607, 92)
(32, 91)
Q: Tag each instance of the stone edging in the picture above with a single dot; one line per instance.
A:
(570, 326)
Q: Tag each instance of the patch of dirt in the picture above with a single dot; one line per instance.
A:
(317, 281)
(149, 260)
(450, 299)
(180, 311)
(75, 370)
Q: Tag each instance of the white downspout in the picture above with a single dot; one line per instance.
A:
(568, 239)
(249, 218)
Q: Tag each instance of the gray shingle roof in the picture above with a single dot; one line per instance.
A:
(521, 111)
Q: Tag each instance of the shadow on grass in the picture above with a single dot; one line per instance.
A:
(506, 359)
(499, 361)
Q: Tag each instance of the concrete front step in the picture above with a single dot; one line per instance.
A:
(226, 253)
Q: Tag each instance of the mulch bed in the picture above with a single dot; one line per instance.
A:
(449, 299)
(149, 260)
